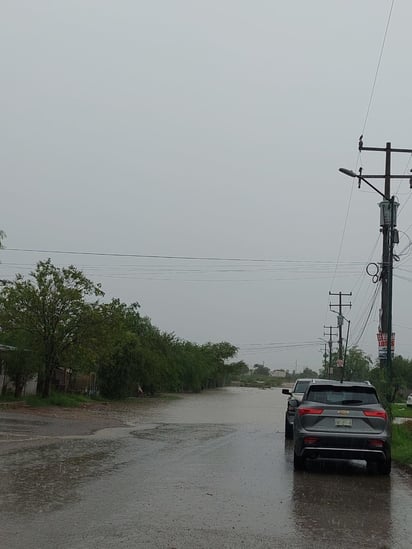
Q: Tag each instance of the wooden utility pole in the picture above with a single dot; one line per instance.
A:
(390, 237)
(330, 328)
(340, 321)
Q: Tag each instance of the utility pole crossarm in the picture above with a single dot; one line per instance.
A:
(383, 176)
(383, 149)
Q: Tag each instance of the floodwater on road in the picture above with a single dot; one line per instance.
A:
(204, 471)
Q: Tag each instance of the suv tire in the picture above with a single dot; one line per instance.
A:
(288, 429)
(298, 462)
(384, 467)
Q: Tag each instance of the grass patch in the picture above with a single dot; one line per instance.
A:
(263, 382)
(10, 398)
(402, 443)
(401, 410)
(65, 400)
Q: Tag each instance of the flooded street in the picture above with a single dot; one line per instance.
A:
(204, 471)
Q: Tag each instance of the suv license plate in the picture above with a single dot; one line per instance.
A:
(343, 422)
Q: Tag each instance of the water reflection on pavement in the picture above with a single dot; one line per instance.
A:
(209, 470)
(342, 500)
(47, 478)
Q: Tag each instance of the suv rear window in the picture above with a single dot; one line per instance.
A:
(351, 396)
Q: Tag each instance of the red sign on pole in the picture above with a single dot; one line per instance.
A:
(383, 344)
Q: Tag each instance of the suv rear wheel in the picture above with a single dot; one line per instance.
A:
(288, 429)
(298, 462)
(384, 467)
(380, 467)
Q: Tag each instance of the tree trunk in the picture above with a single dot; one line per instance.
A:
(47, 381)
(40, 383)
(18, 386)
(4, 387)
(49, 367)
(3, 371)
(47, 384)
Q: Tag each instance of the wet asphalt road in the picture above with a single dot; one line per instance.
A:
(207, 471)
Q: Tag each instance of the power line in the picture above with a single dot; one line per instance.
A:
(277, 344)
(343, 235)
(374, 299)
(377, 67)
(159, 268)
(363, 131)
(276, 348)
(362, 276)
(136, 255)
(177, 257)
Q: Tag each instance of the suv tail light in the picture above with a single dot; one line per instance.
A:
(376, 443)
(302, 411)
(310, 440)
(376, 413)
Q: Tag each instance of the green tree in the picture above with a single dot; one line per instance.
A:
(238, 368)
(394, 386)
(20, 367)
(357, 365)
(135, 354)
(356, 368)
(311, 374)
(50, 310)
(215, 357)
(260, 370)
(20, 364)
(118, 373)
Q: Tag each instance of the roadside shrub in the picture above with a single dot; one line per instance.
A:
(402, 442)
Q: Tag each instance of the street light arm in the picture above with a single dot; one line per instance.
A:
(351, 173)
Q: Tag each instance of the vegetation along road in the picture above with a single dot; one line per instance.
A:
(205, 470)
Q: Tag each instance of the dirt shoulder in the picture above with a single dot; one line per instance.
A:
(23, 426)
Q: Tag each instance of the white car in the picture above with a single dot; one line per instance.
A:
(295, 394)
(409, 400)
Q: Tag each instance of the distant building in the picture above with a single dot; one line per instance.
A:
(278, 373)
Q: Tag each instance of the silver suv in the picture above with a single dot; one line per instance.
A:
(342, 420)
(295, 396)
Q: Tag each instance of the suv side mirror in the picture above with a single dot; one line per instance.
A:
(286, 392)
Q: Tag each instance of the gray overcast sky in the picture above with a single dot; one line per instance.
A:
(209, 129)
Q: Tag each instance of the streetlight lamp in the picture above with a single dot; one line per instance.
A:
(392, 239)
